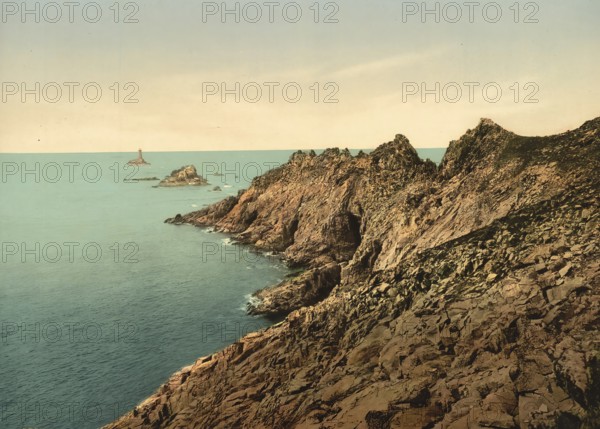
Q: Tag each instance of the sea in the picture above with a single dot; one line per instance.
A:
(100, 300)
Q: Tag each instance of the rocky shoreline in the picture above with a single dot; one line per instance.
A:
(458, 296)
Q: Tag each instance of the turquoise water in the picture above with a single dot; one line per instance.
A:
(100, 301)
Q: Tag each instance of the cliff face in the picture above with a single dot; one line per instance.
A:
(462, 296)
(315, 211)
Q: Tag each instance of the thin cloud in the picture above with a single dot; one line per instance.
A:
(380, 66)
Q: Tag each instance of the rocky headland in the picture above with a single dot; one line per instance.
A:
(464, 295)
(185, 176)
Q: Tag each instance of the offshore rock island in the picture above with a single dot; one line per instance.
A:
(464, 295)
(185, 176)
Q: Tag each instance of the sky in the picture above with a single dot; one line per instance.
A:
(183, 75)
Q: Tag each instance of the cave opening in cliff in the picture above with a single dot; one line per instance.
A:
(354, 223)
(290, 232)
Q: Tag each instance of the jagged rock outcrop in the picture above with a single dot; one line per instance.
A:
(306, 288)
(467, 296)
(314, 210)
(185, 176)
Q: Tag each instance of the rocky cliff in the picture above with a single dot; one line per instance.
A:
(458, 296)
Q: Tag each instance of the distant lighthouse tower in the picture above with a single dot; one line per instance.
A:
(139, 161)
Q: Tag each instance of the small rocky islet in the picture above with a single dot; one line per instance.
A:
(464, 295)
(185, 176)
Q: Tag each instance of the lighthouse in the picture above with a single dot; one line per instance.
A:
(139, 161)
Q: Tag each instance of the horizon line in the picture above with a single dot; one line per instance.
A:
(205, 151)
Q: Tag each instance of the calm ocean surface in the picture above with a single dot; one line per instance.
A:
(100, 301)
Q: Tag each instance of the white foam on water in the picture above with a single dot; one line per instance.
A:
(228, 241)
(251, 300)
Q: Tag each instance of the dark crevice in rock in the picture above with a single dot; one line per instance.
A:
(354, 224)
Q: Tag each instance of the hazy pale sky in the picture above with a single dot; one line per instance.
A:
(375, 61)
